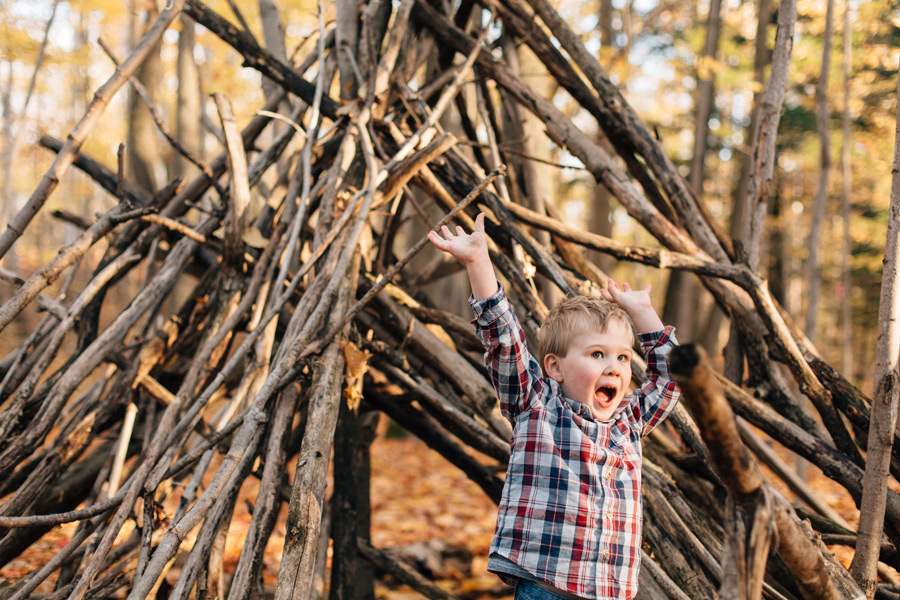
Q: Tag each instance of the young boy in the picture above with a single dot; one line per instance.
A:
(569, 522)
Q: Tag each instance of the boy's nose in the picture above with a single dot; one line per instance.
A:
(612, 368)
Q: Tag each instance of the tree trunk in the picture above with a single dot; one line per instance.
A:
(273, 36)
(142, 161)
(11, 130)
(351, 578)
(683, 292)
(813, 276)
(188, 104)
(846, 181)
(762, 139)
(886, 398)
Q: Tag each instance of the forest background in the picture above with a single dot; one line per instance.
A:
(824, 243)
(653, 50)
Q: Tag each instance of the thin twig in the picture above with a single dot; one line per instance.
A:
(175, 226)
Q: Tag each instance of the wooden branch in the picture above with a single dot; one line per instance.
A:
(654, 257)
(305, 509)
(257, 58)
(691, 370)
(426, 429)
(385, 278)
(66, 257)
(239, 196)
(762, 139)
(157, 116)
(475, 434)
(623, 128)
(403, 572)
(268, 501)
(99, 173)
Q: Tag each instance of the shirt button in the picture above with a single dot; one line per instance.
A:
(609, 514)
(606, 553)
(608, 475)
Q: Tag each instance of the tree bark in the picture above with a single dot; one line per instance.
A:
(846, 182)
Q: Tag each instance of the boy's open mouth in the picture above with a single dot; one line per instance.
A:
(606, 393)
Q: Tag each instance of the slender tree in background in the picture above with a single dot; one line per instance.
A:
(599, 213)
(764, 136)
(813, 276)
(886, 396)
(188, 102)
(142, 149)
(846, 183)
(273, 36)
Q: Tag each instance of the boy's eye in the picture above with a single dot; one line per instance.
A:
(623, 358)
(596, 354)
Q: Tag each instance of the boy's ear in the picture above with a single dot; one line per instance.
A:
(551, 368)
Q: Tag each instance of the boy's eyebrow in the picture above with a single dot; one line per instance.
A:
(626, 350)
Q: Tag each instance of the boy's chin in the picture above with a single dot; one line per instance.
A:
(602, 413)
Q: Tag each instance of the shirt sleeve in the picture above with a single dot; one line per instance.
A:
(514, 372)
(656, 398)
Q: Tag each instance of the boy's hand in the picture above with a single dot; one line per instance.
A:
(471, 250)
(636, 303)
(465, 247)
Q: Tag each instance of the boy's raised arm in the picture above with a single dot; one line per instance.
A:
(471, 250)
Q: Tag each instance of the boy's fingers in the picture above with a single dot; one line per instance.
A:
(460, 230)
(446, 231)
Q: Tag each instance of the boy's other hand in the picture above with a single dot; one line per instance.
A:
(467, 248)
(626, 297)
(636, 303)
(470, 249)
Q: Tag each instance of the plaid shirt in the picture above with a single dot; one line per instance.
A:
(570, 512)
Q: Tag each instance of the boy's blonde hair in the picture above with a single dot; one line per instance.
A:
(572, 317)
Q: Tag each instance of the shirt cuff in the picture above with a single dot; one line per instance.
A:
(489, 309)
(654, 339)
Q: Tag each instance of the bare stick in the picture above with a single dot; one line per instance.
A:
(65, 258)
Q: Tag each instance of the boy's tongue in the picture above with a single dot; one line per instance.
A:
(603, 395)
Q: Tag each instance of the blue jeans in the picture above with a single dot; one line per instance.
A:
(529, 590)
